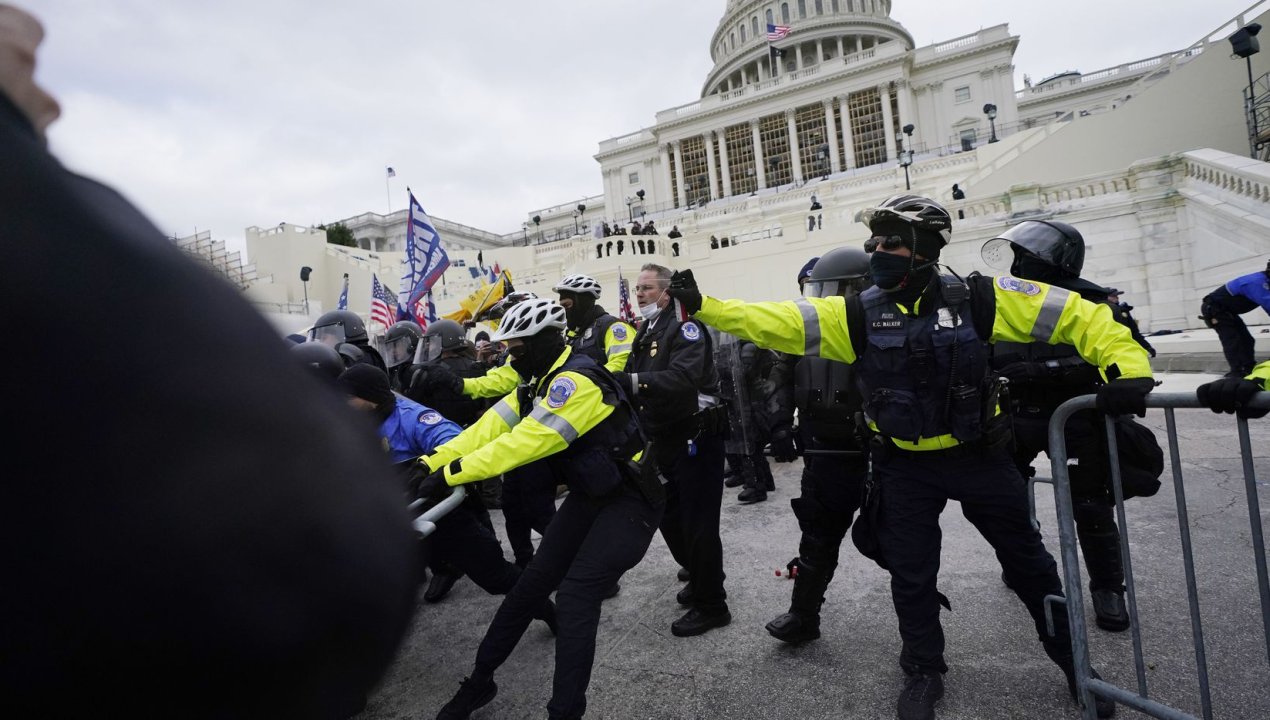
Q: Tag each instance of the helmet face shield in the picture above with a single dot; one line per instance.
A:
(998, 253)
(429, 349)
(396, 351)
(842, 287)
(331, 335)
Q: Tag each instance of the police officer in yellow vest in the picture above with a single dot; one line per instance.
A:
(917, 341)
(572, 415)
(592, 331)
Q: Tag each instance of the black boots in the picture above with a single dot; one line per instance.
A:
(921, 691)
(697, 622)
(1110, 612)
(472, 694)
(759, 484)
(802, 622)
(1103, 707)
(442, 581)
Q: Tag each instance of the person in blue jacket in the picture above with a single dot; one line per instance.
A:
(1221, 309)
(409, 430)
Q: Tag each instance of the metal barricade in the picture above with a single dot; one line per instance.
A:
(426, 523)
(1087, 684)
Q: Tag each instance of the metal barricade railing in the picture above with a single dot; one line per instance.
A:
(1087, 684)
(426, 523)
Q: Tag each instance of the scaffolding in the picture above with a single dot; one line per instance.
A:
(213, 253)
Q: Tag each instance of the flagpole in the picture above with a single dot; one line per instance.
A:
(388, 190)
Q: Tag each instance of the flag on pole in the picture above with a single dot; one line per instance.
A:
(425, 311)
(624, 299)
(343, 305)
(426, 260)
(776, 32)
(382, 303)
(393, 173)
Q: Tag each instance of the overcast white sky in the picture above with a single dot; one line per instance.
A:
(220, 115)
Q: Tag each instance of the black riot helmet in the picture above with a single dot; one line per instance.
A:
(400, 342)
(842, 271)
(339, 326)
(440, 336)
(321, 358)
(1053, 243)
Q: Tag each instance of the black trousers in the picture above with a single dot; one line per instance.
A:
(464, 541)
(832, 488)
(1236, 342)
(914, 490)
(690, 526)
(529, 503)
(1092, 502)
(588, 546)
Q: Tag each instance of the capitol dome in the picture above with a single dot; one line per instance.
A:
(820, 30)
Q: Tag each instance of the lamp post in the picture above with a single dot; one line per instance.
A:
(524, 228)
(537, 227)
(304, 278)
(1244, 44)
(906, 155)
(581, 210)
(575, 222)
(630, 216)
(991, 111)
(823, 152)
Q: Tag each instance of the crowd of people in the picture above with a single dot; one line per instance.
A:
(240, 508)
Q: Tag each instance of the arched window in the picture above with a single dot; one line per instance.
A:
(784, 13)
(754, 24)
(742, 34)
(820, 7)
(835, 7)
(732, 41)
(802, 9)
(770, 19)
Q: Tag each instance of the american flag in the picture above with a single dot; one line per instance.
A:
(624, 300)
(776, 32)
(383, 303)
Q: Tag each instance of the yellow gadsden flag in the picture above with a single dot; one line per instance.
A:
(482, 299)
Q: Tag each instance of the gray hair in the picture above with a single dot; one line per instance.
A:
(663, 273)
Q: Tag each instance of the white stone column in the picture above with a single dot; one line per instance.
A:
(760, 165)
(712, 173)
(905, 94)
(832, 131)
(820, 50)
(888, 124)
(664, 156)
(682, 193)
(848, 140)
(723, 162)
(857, 44)
(840, 47)
(795, 159)
(943, 128)
(798, 53)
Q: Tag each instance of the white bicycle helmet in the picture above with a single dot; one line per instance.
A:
(528, 318)
(579, 284)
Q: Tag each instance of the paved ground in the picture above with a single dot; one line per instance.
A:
(997, 667)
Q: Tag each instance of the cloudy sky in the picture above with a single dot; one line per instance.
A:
(220, 115)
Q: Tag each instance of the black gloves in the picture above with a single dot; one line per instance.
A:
(432, 486)
(784, 448)
(624, 380)
(683, 288)
(441, 378)
(1230, 395)
(1125, 396)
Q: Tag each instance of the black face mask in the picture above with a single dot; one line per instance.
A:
(1031, 267)
(577, 315)
(889, 271)
(534, 358)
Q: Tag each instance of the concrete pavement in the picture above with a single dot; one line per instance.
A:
(997, 667)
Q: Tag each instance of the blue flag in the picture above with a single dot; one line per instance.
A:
(426, 260)
(344, 294)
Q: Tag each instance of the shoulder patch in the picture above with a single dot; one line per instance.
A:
(562, 388)
(1013, 284)
(430, 417)
(619, 331)
(690, 331)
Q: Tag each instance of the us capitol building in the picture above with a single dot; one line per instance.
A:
(1152, 160)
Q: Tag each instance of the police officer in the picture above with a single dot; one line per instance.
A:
(919, 340)
(744, 370)
(408, 430)
(1221, 309)
(834, 462)
(1231, 395)
(341, 329)
(1042, 376)
(443, 353)
(672, 377)
(592, 331)
(322, 360)
(398, 348)
(575, 417)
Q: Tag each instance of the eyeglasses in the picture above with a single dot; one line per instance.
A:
(647, 288)
(886, 242)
